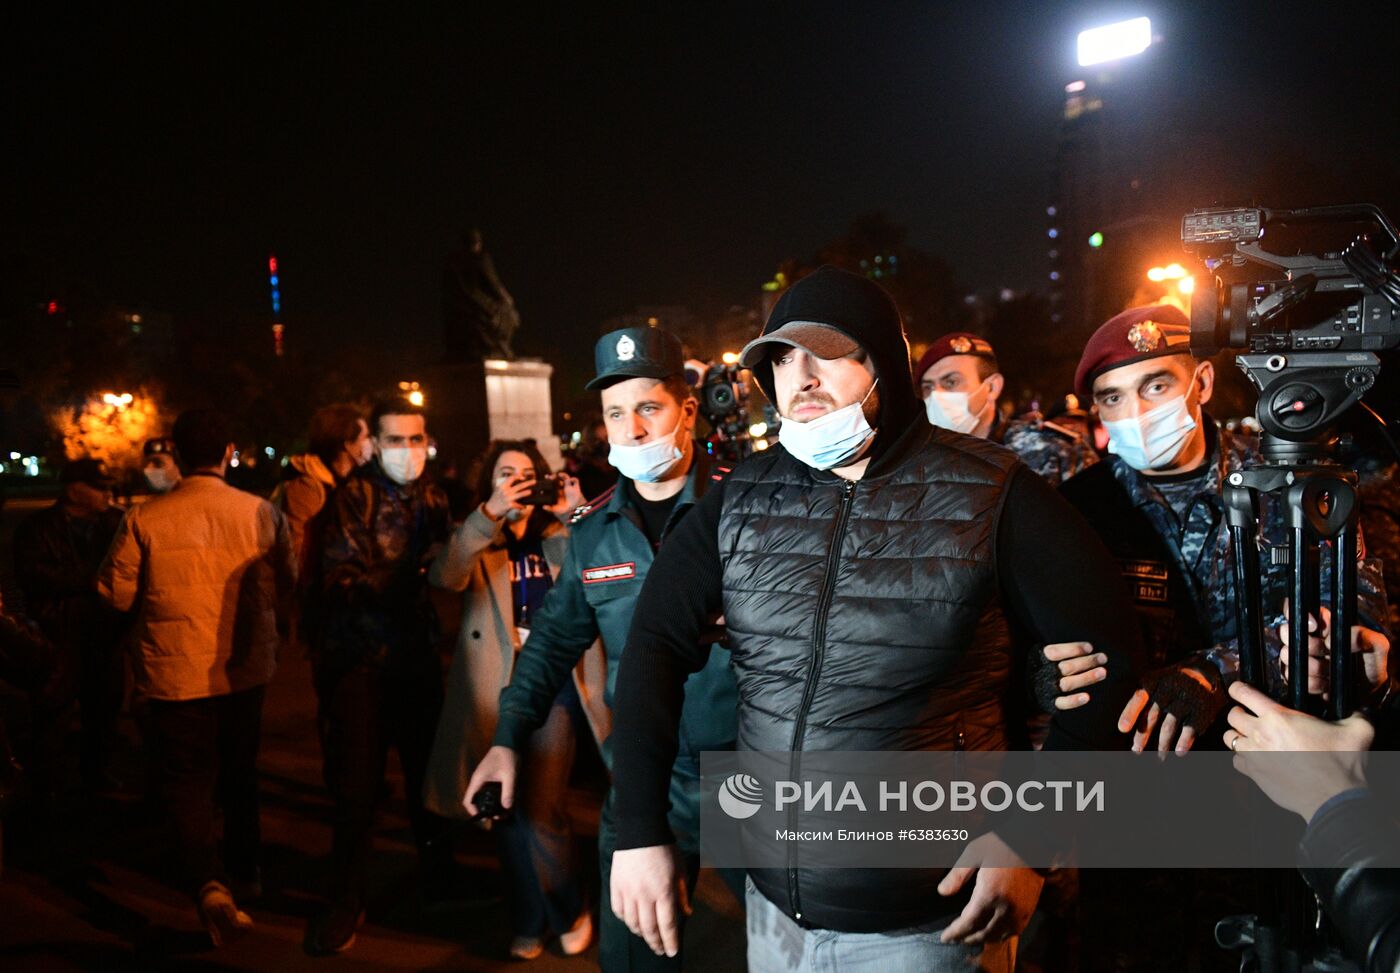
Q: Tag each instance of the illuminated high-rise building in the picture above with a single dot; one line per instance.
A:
(1123, 174)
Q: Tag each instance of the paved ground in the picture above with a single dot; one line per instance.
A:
(84, 888)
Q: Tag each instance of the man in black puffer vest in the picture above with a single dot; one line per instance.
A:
(872, 573)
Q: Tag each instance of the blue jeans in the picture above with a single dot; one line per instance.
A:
(536, 845)
(779, 945)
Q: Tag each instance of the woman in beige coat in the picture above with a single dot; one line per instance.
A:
(505, 556)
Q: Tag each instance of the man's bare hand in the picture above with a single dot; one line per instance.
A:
(1003, 898)
(649, 895)
(499, 764)
(1262, 730)
(1371, 646)
(570, 498)
(1079, 667)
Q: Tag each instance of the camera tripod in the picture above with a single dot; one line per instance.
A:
(1321, 510)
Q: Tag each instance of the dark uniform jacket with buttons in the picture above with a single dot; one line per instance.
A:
(595, 596)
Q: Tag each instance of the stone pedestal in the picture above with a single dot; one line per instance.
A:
(471, 404)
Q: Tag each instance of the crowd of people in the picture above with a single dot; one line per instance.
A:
(910, 570)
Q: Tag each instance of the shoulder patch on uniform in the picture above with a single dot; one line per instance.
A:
(593, 506)
(610, 572)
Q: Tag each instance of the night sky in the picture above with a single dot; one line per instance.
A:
(613, 156)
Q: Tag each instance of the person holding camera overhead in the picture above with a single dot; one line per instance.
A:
(649, 410)
(505, 556)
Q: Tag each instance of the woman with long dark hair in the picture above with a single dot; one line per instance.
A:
(505, 555)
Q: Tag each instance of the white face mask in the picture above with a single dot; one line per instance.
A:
(831, 440)
(364, 453)
(949, 410)
(1154, 439)
(403, 464)
(160, 479)
(650, 462)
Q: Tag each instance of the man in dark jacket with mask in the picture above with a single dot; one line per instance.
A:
(847, 635)
(377, 673)
(960, 382)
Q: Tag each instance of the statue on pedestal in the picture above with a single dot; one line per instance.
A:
(478, 314)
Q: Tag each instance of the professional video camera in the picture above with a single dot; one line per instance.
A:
(723, 395)
(1312, 323)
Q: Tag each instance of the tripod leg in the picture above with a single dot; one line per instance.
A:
(1298, 620)
(1343, 668)
(1242, 516)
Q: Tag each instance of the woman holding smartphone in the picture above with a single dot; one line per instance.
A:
(504, 556)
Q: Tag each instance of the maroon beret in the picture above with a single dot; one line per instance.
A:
(956, 343)
(1136, 335)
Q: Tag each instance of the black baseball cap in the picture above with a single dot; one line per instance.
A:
(86, 470)
(636, 353)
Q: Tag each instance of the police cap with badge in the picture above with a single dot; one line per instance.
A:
(1136, 335)
(957, 343)
(636, 353)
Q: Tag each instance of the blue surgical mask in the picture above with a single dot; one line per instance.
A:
(1154, 439)
(647, 463)
(831, 440)
(950, 410)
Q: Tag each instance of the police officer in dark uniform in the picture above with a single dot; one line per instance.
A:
(650, 415)
(1156, 502)
(959, 381)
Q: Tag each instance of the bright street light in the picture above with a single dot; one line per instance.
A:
(1169, 272)
(413, 392)
(1113, 42)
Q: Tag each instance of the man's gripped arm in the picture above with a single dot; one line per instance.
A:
(1060, 584)
(681, 596)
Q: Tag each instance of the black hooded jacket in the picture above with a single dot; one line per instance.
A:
(910, 597)
(865, 311)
